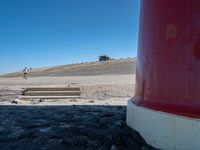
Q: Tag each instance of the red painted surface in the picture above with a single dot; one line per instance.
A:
(168, 67)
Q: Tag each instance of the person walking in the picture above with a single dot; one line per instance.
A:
(25, 71)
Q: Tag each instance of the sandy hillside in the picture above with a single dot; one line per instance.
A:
(112, 67)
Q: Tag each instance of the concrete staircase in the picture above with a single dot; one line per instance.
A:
(51, 93)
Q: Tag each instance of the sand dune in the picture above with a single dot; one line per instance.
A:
(112, 67)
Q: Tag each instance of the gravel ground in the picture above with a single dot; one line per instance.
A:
(67, 127)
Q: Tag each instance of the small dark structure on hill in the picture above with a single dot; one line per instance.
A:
(104, 58)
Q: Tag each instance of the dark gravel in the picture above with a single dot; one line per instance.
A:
(67, 127)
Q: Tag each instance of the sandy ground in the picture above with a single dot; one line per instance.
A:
(64, 81)
(100, 89)
(97, 121)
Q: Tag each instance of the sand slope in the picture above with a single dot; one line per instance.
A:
(112, 67)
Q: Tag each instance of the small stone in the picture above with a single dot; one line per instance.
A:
(66, 126)
(16, 134)
(61, 141)
(18, 101)
(1, 129)
(143, 148)
(113, 147)
(91, 102)
(92, 144)
(118, 124)
(14, 102)
(106, 121)
(45, 130)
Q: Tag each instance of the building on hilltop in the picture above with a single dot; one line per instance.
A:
(104, 58)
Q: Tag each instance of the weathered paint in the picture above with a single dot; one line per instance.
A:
(168, 67)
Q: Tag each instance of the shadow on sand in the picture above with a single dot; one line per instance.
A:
(67, 127)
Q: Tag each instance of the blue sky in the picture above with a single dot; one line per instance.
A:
(38, 33)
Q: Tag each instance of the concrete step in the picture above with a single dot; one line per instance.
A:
(53, 89)
(52, 93)
(49, 97)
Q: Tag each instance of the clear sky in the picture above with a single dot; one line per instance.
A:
(36, 33)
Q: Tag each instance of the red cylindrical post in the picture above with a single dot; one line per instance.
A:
(168, 67)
